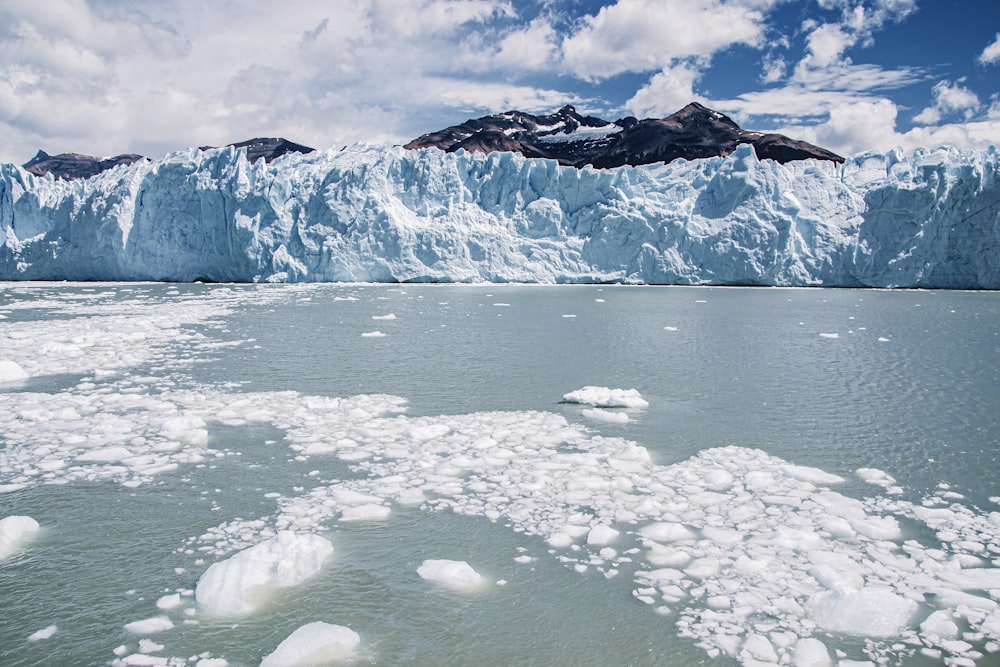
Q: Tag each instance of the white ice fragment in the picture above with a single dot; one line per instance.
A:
(812, 475)
(940, 624)
(560, 540)
(44, 633)
(372, 334)
(609, 416)
(314, 644)
(149, 626)
(604, 397)
(810, 652)
(877, 528)
(666, 531)
(875, 476)
(388, 316)
(14, 532)
(601, 535)
(149, 646)
(829, 335)
(757, 647)
(841, 579)
(169, 601)
(11, 372)
(868, 612)
(237, 585)
(452, 573)
(366, 512)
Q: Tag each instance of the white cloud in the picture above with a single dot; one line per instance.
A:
(827, 43)
(773, 69)
(949, 99)
(861, 126)
(530, 47)
(666, 92)
(650, 35)
(991, 54)
(153, 77)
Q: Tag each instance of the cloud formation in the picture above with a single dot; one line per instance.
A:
(110, 76)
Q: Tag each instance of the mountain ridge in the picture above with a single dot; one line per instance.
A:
(73, 166)
(693, 132)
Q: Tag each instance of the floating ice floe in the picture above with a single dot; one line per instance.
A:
(604, 397)
(238, 586)
(373, 334)
(451, 573)
(11, 372)
(14, 532)
(606, 416)
(149, 626)
(314, 644)
(44, 633)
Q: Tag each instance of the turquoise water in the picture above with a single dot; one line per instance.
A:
(905, 382)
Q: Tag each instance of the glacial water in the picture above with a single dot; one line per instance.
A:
(163, 428)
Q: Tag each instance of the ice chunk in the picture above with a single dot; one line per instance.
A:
(11, 372)
(666, 531)
(601, 534)
(236, 586)
(14, 532)
(149, 626)
(868, 612)
(314, 644)
(940, 624)
(604, 397)
(810, 652)
(169, 601)
(44, 633)
(452, 573)
(366, 512)
(605, 416)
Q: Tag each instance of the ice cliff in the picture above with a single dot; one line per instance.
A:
(376, 213)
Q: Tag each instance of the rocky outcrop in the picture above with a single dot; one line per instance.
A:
(693, 132)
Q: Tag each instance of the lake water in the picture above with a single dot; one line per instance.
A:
(815, 474)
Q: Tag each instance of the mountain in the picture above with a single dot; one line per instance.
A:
(692, 133)
(268, 148)
(71, 166)
(386, 214)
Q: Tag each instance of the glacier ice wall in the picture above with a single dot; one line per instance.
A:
(376, 213)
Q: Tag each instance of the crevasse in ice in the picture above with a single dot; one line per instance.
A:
(377, 213)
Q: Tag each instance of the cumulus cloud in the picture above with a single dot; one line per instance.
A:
(949, 98)
(651, 35)
(155, 77)
(666, 92)
(991, 54)
(860, 126)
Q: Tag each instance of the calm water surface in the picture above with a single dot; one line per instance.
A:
(907, 382)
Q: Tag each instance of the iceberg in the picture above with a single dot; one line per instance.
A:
(386, 214)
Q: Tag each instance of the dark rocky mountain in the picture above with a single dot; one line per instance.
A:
(693, 132)
(70, 166)
(269, 148)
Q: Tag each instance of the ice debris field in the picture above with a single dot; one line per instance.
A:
(381, 214)
(748, 556)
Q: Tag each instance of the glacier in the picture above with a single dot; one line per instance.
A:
(369, 213)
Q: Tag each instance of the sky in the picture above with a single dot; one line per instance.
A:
(105, 77)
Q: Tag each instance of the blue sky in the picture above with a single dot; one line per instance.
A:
(104, 77)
